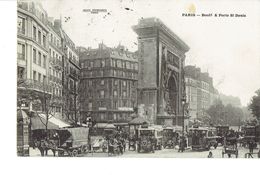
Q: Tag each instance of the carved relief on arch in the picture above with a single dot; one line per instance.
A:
(171, 93)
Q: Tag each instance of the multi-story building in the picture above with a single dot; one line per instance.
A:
(32, 50)
(47, 61)
(108, 83)
(55, 67)
(70, 78)
(200, 91)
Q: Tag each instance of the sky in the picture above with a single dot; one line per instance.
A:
(228, 48)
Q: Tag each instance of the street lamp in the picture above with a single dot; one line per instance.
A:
(183, 101)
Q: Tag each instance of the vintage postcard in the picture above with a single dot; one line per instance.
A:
(138, 78)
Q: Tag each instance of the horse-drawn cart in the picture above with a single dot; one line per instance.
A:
(230, 147)
(73, 141)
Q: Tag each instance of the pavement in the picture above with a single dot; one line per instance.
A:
(164, 153)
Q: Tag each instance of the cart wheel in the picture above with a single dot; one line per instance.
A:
(60, 153)
(74, 153)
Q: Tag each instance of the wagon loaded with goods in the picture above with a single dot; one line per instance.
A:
(73, 141)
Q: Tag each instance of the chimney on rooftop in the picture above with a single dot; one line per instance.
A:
(57, 23)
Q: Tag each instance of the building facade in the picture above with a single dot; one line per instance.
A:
(55, 67)
(161, 85)
(32, 51)
(71, 73)
(200, 91)
(47, 61)
(108, 84)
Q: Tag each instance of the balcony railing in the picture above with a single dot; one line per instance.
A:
(34, 85)
(74, 61)
(20, 56)
(21, 30)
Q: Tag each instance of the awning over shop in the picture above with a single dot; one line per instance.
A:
(38, 121)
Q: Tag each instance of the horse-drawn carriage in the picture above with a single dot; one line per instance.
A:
(73, 141)
(201, 139)
(222, 131)
(250, 133)
(100, 135)
(149, 139)
(65, 141)
(230, 147)
(171, 136)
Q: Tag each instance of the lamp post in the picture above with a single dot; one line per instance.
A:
(183, 101)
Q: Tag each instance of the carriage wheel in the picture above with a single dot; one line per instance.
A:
(74, 153)
(82, 149)
(60, 153)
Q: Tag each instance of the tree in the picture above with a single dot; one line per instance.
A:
(254, 105)
(72, 103)
(40, 101)
(225, 115)
(216, 113)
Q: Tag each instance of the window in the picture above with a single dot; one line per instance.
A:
(124, 103)
(44, 40)
(102, 116)
(44, 61)
(101, 94)
(53, 54)
(39, 37)
(39, 77)
(44, 78)
(51, 38)
(136, 66)
(102, 63)
(128, 65)
(115, 104)
(115, 82)
(101, 73)
(124, 83)
(90, 83)
(102, 82)
(21, 25)
(39, 58)
(89, 106)
(34, 75)
(97, 63)
(119, 64)
(124, 94)
(115, 73)
(34, 33)
(115, 93)
(20, 72)
(21, 51)
(91, 64)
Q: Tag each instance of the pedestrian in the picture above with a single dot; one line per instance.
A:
(110, 147)
(251, 146)
(120, 146)
(182, 145)
(210, 155)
